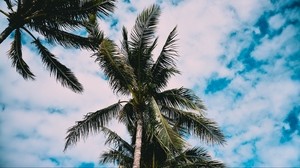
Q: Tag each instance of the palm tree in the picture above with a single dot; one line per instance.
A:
(132, 71)
(53, 20)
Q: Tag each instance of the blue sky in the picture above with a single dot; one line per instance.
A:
(241, 57)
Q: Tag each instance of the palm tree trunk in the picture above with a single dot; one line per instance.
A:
(5, 33)
(138, 143)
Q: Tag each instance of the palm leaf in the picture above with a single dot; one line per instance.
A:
(180, 98)
(141, 39)
(164, 67)
(15, 53)
(92, 28)
(119, 73)
(194, 157)
(66, 39)
(204, 128)
(144, 28)
(125, 44)
(83, 8)
(114, 138)
(61, 72)
(116, 156)
(166, 136)
(92, 123)
(128, 117)
(73, 9)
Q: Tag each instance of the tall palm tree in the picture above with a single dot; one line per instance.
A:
(52, 21)
(132, 71)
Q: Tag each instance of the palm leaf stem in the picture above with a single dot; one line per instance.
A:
(5, 33)
(30, 33)
(4, 13)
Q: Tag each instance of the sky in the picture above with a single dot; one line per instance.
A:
(242, 58)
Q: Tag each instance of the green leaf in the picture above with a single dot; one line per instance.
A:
(180, 98)
(116, 156)
(166, 136)
(61, 72)
(119, 73)
(141, 39)
(92, 123)
(165, 67)
(204, 128)
(125, 44)
(114, 138)
(193, 157)
(15, 54)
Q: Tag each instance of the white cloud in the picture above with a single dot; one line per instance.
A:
(284, 44)
(276, 21)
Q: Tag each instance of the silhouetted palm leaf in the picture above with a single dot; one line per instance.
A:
(92, 123)
(61, 72)
(164, 67)
(15, 54)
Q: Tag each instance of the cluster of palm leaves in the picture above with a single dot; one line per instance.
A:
(156, 119)
(54, 21)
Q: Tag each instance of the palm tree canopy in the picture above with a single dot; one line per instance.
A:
(166, 115)
(53, 20)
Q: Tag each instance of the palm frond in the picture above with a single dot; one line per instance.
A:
(73, 9)
(61, 72)
(194, 157)
(144, 29)
(125, 44)
(141, 39)
(66, 39)
(180, 98)
(116, 140)
(165, 67)
(92, 123)
(204, 128)
(118, 157)
(128, 117)
(101, 7)
(119, 73)
(92, 28)
(166, 136)
(15, 54)
(62, 23)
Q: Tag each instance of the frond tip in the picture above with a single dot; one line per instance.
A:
(62, 73)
